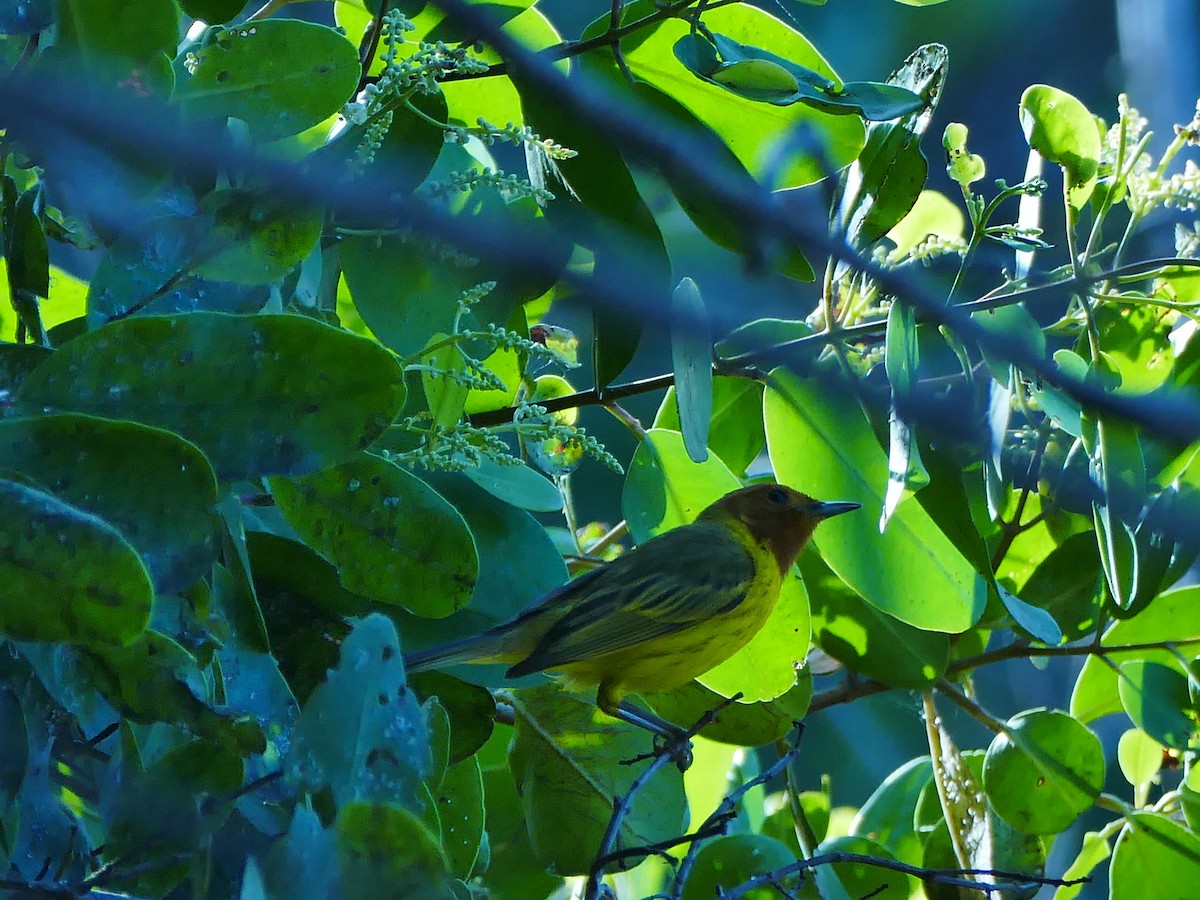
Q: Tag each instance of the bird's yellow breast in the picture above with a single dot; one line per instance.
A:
(671, 660)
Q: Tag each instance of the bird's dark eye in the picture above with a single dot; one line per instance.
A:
(777, 496)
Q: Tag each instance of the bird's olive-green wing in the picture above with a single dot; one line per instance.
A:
(680, 579)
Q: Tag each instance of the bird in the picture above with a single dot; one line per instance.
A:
(662, 614)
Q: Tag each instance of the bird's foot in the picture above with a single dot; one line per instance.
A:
(678, 748)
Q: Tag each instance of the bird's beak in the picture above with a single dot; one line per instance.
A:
(828, 509)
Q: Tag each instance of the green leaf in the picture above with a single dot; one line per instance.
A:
(566, 760)
(750, 129)
(870, 642)
(445, 396)
(1034, 621)
(726, 862)
(150, 272)
(1189, 798)
(856, 879)
(361, 733)
(1010, 326)
(1157, 700)
(906, 472)
(665, 488)
(255, 238)
(736, 433)
(121, 41)
(17, 361)
(404, 293)
(459, 807)
(1139, 755)
(1062, 130)
(68, 575)
(470, 708)
(1119, 470)
(1069, 585)
(25, 245)
(301, 864)
(519, 486)
(883, 183)
(212, 11)
(1043, 771)
(708, 213)
(1094, 851)
(392, 538)
(933, 214)
(912, 571)
(260, 395)
(518, 563)
(154, 679)
(762, 339)
(757, 79)
(691, 358)
(164, 506)
(1135, 339)
(889, 815)
(873, 101)
(385, 850)
(1154, 858)
(612, 220)
(406, 287)
(1172, 617)
(279, 76)
(514, 873)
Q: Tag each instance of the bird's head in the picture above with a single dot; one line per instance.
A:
(778, 516)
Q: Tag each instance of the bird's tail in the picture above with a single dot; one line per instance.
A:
(478, 648)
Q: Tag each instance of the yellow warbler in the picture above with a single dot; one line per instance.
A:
(662, 614)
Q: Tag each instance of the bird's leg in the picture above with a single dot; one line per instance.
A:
(668, 737)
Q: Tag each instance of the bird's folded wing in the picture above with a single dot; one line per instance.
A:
(705, 575)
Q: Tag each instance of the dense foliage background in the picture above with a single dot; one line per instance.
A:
(336, 336)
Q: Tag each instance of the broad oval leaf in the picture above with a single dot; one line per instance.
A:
(912, 571)
(1157, 700)
(867, 640)
(1062, 130)
(1155, 858)
(255, 238)
(736, 433)
(1043, 771)
(68, 575)
(517, 485)
(665, 488)
(1173, 618)
(750, 129)
(726, 862)
(361, 733)
(391, 536)
(1139, 756)
(567, 764)
(260, 395)
(164, 505)
(279, 76)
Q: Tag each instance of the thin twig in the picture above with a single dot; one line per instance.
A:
(865, 687)
(622, 806)
(1021, 882)
(727, 810)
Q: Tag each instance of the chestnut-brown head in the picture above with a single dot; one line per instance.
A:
(777, 516)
